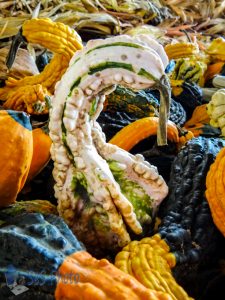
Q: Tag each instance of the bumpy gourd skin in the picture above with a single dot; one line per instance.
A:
(89, 197)
(54, 265)
(29, 94)
(140, 103)
(187, 225)
(216, 110)
(188, 94)
(43, 243)
(150, 262)
(177, 113)
(186, 228)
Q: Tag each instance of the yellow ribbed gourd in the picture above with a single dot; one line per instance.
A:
(150, 262)
(179, 50)
(216, 49)
(60, 39)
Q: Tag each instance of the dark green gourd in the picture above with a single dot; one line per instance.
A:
(177, 113)
(112, 122)
(187, 225)
(190, 97)
(141, 103)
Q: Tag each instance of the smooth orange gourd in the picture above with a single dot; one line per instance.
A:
(213, 69)
(16, 149)
(139, 130)
(215, 190)
(198, 120)
(41, 152)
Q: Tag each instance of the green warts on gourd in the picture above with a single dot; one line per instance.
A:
(79, 145)
(141, 202)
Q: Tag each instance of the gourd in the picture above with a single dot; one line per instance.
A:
(137, 131)
(60, 265)
(41, 151)
(98, 185)
(180, 50)
(45, 241)
(111, 122)
(189, 69)
(140, 104)
(216, 110)
(216, 49)
(177, 113)
(188, 94)
(214, 69)
(219, 81)
(15, 152)
(186, 240)
(31, 93)
(22, 207)
(191, 64)
(199, 123)
(215, 188)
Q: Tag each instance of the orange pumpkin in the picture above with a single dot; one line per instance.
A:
(15, 154)
(41, 151)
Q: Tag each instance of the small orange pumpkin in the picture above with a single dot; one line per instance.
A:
(15, 154)
(41, 151)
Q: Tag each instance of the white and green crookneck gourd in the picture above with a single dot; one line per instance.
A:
(103, 191)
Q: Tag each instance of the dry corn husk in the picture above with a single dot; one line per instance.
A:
(104, 16)
(24, 65)
(207, 15)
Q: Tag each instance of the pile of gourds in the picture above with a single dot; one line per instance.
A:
(113, 132)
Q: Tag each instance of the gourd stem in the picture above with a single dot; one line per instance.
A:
(165, 98)
(16, 42)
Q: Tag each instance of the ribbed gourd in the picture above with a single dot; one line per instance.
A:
(190, 63)
(15, 154)
(104, 192)
(181, 50)
(186, 240)
(55, 265)
(31, 93)
(141, 129)
(216, 110)
(141, 104)
(216, 49)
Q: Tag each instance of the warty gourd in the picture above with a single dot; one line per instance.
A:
(94, 201)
